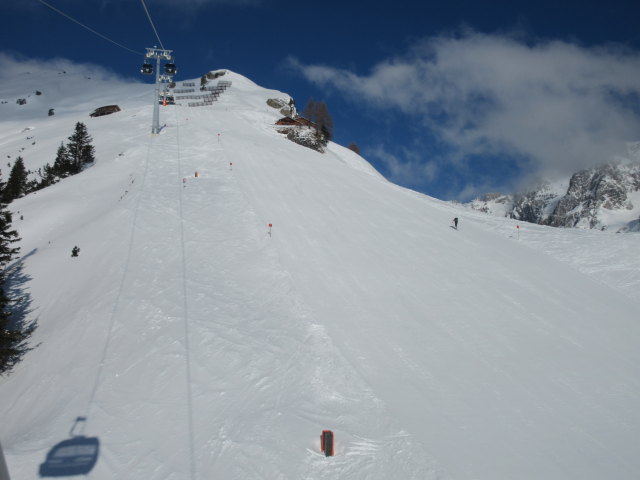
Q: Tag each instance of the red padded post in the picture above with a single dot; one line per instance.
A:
(326, 442)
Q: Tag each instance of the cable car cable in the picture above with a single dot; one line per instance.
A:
(152, 25)
(90, 29)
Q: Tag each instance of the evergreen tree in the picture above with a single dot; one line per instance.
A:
(47, 177)
(7, 236)
(63, 165)
(12, 341)
(79, 147)
(17, 184)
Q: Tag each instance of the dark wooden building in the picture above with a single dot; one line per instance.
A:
(106, 110)
(294, 122)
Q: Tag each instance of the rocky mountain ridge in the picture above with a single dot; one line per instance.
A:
(605, 197)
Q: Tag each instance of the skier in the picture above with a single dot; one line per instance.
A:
(455, 223)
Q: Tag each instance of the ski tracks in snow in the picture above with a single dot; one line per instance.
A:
(143, 391)
(335, 394)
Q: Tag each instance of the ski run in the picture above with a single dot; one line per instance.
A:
(195, 342)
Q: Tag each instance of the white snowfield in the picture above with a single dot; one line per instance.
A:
(198, 345)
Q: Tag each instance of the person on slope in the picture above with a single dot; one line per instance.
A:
(455, 223)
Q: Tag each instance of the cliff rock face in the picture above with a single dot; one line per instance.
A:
(535, 206)
(590, 191)
(604, 197)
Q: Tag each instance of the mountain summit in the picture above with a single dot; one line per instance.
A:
(605, 198)
(235, 294)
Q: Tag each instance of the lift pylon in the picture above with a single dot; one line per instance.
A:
(159, 54)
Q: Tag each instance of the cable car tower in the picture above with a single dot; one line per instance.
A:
(169, 72)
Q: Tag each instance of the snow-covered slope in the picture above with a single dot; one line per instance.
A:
(198, 344)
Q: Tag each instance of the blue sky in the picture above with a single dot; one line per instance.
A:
(453, 99)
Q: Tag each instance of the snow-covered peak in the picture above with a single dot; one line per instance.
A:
(606, 197)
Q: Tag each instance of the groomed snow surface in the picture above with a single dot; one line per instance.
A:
(199, 345)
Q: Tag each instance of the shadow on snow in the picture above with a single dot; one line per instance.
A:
(74, 456)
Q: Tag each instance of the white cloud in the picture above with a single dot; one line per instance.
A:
(557, 104)
(409, 168)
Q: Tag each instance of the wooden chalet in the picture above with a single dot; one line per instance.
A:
(106, 110)
(293, 123)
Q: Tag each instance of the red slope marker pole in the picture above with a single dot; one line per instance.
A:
(518, 228)
(326, 443)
